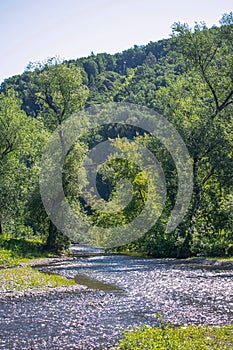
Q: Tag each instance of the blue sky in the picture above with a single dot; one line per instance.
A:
(33, 30)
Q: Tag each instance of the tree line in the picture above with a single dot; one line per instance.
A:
(187, 78)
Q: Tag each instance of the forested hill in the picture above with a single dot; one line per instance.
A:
(133, 74)
(188, 78)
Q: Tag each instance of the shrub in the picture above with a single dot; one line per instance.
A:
(174, 338)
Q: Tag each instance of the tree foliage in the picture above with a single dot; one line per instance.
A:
(187, 78)
(21, 139)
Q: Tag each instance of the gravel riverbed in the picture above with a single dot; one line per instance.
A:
(131, 293)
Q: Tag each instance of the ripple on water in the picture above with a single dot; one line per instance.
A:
(90, 318)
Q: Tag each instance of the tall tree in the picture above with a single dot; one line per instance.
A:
(200, 104)
(60, 93)
(21, 138)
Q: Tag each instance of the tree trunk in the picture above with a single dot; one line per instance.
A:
(190, 221)
(51, 239)
(56, 240)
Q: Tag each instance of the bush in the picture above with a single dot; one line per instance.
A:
(182, 338)
(13, 250)
(7, 258)
(21, 247)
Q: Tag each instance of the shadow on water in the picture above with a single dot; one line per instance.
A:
(123, 292)
(94, 284)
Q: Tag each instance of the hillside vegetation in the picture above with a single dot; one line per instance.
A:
(187, 78)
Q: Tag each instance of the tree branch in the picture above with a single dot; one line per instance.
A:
(226, 102)
(206, 178)
(212, 90)
(49, 103)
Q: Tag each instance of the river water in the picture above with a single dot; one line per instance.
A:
(123, 292)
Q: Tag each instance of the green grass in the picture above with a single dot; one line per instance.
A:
(230, 258)
(178, 338)
(14, 251)
(23, 248)
(221, 258)
(7, 258)
(26, 278)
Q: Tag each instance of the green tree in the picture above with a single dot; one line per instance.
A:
(91, 68)
(60, 93)
(199, 103)
(21, 139)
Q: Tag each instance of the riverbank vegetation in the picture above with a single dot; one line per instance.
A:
(173, 338)
(14, 251)
(22, 279)
(187, 78)
(17, 278)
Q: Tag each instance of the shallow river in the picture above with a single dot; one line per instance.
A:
(132, 292)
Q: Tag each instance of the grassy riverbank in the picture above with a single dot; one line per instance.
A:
(182, 338)
(193, 259)
(14, 252)
(17, 252)
(22, 279)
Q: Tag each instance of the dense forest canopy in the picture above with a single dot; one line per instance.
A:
(187, 78)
